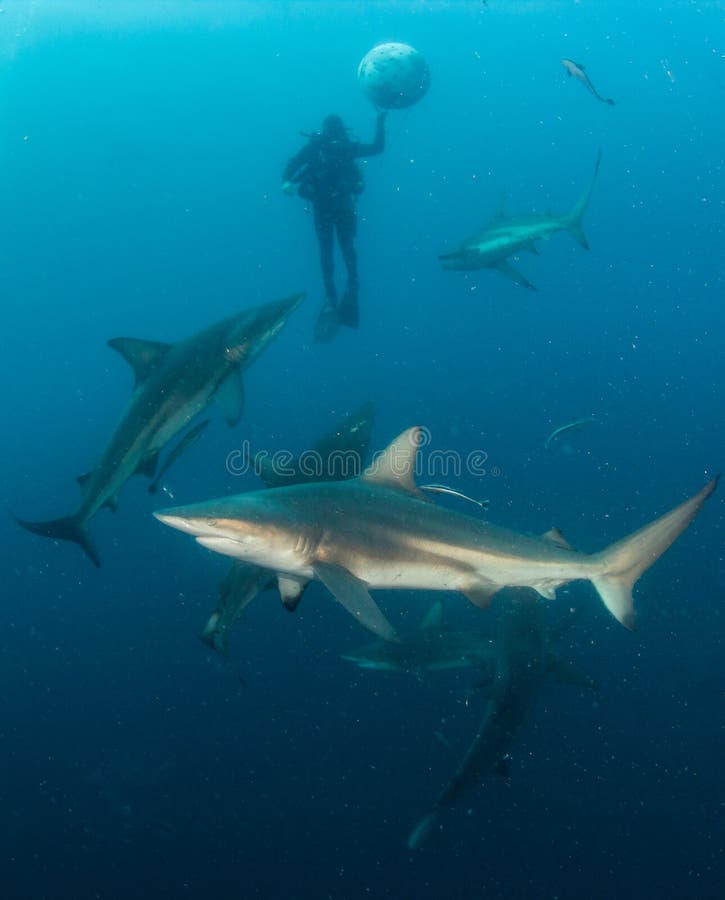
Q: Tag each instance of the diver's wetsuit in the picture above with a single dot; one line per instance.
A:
(327, 176)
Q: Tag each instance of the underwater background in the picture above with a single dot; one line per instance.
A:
(142, 145)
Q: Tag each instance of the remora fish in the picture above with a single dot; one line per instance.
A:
(563, 429)
(375, 531)
(504, 236)
(341, 453)
(430, 648)
(174, 383)
(577, 70)
(522, 659)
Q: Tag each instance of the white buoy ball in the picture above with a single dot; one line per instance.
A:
(393, 75)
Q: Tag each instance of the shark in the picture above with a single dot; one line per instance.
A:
(173, 384)
(432, 647)
(380, 531)
(341, 453)
(522, 659)
(577, 71)
(505, 236)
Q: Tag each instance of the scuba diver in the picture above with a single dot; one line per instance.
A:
(324, 172)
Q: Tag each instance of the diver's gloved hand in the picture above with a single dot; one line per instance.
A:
(288, 188)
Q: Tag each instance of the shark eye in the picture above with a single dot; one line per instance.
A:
(211, 523)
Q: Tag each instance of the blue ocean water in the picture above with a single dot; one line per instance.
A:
(142, 147)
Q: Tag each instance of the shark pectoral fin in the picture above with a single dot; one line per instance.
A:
(554, 536)
(433, 619)
(531, 248)
(505, 268)
(353, 594)
(480, 594)
(230, 397)
(395, 466)
(291, 590)
(214, 635)
(141, 355)
(148, 464)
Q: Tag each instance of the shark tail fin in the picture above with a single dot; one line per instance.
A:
(626, 560)
(69, 528)
(422, 831)
(573, 219)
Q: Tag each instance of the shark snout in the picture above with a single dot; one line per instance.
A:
(198, 527)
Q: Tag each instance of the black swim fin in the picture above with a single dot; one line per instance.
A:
(348, 313)
(327, 323)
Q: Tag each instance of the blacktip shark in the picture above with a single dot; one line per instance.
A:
(577, 71)
(522, 659)
(432, 647)
(506, 236)
(174, 383)
(378, 531)
(341, 453)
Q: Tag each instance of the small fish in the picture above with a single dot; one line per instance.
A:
(563, 429)
(442, 489)
(577, 70)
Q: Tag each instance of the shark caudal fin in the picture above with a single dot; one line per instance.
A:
(626, 560)
(573, 219)
(67, 529)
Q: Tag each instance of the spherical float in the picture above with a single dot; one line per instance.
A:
(393, 75)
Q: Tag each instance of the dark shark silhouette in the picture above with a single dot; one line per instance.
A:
(174, 383)
(522, 659)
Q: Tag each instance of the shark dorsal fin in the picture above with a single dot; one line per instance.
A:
(141, 355)
(395, 466)
(84, 479)
(499, 214)
(433, 619)
(554, 536)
